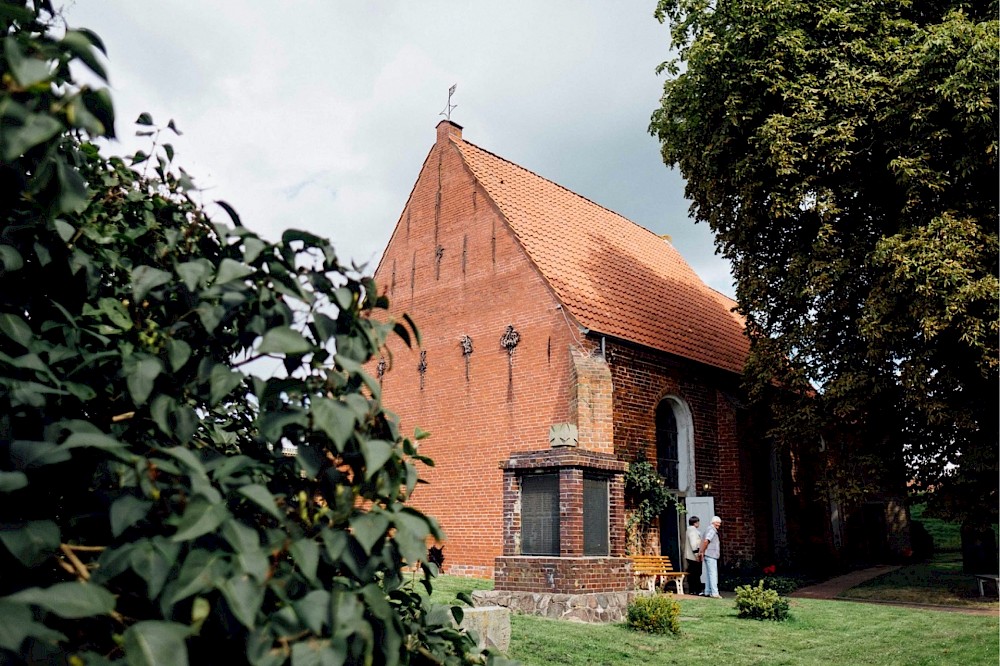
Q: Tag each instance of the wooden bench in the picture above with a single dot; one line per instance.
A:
(982, 578)
(655, 567)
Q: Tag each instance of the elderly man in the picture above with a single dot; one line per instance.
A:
(709, 555)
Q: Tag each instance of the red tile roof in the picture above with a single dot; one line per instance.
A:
(614, 276)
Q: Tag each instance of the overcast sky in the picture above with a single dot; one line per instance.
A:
(318, 114)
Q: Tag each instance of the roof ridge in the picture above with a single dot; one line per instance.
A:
(561, 187)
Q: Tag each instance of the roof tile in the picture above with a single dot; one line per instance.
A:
(615, 277)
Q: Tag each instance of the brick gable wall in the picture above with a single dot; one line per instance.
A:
(456, 268)
(454, 265)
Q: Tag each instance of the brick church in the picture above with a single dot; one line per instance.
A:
(559, 342)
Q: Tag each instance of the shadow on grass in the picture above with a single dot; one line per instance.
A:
(939, 581)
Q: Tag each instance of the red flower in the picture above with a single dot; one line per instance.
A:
(770, 569)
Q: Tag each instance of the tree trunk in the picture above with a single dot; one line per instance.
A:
(979, 549)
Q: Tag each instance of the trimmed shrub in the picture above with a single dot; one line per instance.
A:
(781, 584)
(657, 614)
(760, 603)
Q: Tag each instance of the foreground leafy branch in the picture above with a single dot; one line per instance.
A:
(147, 512)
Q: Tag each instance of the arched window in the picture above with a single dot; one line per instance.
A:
(675, 444)
(666, 443)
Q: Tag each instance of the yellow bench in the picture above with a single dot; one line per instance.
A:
(655, 567)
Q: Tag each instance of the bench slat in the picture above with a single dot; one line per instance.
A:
(656, 566)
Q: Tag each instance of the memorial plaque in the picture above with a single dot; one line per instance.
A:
(595, 516)
(540, 514)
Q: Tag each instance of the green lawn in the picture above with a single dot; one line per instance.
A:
(937, 581)
(819, 632)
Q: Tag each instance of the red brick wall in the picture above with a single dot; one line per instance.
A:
(564, 575)
(642, 378)
(454, 266)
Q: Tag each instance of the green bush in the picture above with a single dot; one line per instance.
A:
(657, 614)
(781, 584)
(760, 603)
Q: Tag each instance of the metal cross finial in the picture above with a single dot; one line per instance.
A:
(449, 107)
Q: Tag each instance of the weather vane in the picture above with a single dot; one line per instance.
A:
(449, 107)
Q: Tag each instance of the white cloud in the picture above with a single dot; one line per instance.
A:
(319, 114)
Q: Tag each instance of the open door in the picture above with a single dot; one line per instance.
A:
(703, 507)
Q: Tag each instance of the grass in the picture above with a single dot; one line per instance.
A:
(947, 536)
(938, 581)
(818, 633)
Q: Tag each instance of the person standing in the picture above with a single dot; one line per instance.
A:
(692, 544)
(709, 555)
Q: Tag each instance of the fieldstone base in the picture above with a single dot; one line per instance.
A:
(590, 607)
(491, 625)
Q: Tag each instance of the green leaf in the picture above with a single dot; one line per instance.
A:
(252, 249)
(31, 543)
(314, 610)
(10, 258)
(11, 481)
(368, 528)
(144, 119)
(15, 328)
(27, 454)
(376, 453)
(335, 419)
(65, 230)
(178, 353)
(126, 511)
(141, 371)
(153, 559)
(250, 557)
(262, 497)
(284, 340)
(230, 270)
(231, 212)
(244, 596)
(194, 273)
(344, 298)
(200, 517)
(93, 440)
(156, 643)
(37, 129)
(222, 381)
(202, 570)
(115, 312)
(210, 315)
(72, 196)
(411, 534)
(319, 653)
(79, 44)
(69, 600)
(147, 278)
(306, 555)
(19, 623)
(27, 70)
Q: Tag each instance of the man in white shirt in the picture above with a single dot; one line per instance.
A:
(709, 554)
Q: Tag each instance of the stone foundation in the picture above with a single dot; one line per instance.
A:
(592, 607)
(491, 625)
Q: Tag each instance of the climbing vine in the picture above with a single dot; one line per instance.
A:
(646, 491)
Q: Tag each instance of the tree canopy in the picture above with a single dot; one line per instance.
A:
(844, 153)
(147, 512)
